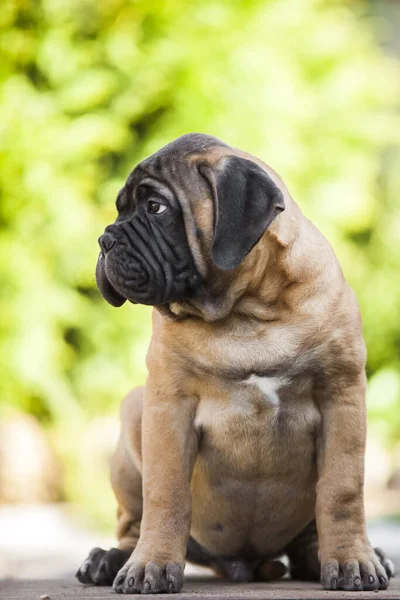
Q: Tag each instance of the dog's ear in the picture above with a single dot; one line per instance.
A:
(246, 201)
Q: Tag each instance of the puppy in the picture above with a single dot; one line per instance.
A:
(248, 440)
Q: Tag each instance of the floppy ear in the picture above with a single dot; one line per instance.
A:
(246, 201)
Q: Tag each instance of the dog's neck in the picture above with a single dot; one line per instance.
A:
(255, 287)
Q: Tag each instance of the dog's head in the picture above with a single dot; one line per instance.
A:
(196, 203)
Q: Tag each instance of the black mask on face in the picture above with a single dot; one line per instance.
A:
(145, 256)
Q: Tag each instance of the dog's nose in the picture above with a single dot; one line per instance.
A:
(106, 242)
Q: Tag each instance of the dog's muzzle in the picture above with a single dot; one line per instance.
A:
(138, 263)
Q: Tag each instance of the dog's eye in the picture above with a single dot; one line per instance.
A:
(155, 208)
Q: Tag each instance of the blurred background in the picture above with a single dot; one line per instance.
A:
(88, 89)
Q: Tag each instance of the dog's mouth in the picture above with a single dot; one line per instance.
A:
(143, 273)
(107, 290)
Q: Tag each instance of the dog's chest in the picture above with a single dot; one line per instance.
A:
(255, 467)
(246, 398)
(257, 416)
(269, 388)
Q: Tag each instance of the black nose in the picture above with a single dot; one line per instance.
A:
(107, 241)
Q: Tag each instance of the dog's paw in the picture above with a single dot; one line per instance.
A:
(151, 578)
(385, 562)
(370, 571)
(101, 566)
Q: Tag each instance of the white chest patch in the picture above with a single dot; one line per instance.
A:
(269, 386)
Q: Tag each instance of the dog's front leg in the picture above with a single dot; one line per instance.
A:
(348, 561)
(169, 445)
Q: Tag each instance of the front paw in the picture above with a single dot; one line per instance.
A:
(366, 570)
(149, 578)
(101, 566)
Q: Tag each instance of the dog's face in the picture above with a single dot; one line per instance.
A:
(147, 256)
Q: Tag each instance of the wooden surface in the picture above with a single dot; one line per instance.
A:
(194, 589)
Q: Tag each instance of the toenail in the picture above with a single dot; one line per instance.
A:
(146, 586)
(371, 579)
(120, 579)
(357, 581)
(334, 583)
(131, 582)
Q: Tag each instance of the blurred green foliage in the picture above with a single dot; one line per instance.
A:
(89, 88)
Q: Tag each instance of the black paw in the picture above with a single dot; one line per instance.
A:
(152, 578)
(370, 571)
(386, 563)
(101, 566)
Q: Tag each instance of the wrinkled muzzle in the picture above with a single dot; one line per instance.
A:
(138, 263)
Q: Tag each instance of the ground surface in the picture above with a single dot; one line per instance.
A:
(43, 562)
(194, 589)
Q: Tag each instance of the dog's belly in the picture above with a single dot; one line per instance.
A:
(253, 484)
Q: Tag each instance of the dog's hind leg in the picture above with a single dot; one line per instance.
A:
(234, 570)
(237, 570)
(101, 566)
(303, 554)
(126, 471)
(270, 570)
